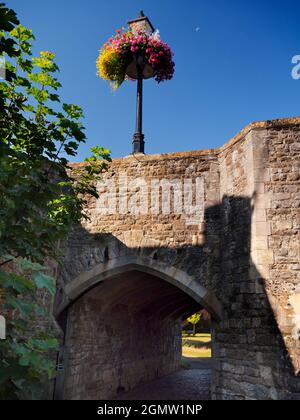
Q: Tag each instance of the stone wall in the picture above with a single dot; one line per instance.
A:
(252, 360)
(283, 215)
(242, 251)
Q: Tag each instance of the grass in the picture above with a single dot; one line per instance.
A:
(196, 346)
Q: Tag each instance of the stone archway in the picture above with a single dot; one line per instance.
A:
(104, 271)
(124, 324)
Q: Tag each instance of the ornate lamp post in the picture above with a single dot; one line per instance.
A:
(136, 54)
(139, 69)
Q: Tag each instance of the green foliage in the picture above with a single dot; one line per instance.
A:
(8, 20)
(194, 319)
(24, 353)
(40, 200)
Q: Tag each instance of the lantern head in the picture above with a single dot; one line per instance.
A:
(141, 24)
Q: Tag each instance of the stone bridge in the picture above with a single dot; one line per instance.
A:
(173, 233)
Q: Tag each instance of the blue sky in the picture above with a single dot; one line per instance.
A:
(233, 66)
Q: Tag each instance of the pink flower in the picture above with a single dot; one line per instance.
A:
(158, 54)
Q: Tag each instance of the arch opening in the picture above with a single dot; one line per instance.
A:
(108, 270)
(124, 326)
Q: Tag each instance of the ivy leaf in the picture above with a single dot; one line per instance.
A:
(19, 283)
(43, 345)
(27, 265)
(44, 281)
(25, 308)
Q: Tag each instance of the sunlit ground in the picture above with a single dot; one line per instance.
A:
(196, 346)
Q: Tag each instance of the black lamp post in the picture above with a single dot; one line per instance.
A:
(139, 69)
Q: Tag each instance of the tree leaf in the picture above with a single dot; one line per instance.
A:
(44, 281)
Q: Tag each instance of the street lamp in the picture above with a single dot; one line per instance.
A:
(139, 69)
(136, 54)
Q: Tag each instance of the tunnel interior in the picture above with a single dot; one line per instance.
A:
(123, 332)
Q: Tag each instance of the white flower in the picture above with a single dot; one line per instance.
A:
(156, 35)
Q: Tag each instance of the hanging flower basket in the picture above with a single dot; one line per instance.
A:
(124, 53)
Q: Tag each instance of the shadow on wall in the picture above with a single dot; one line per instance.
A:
(250, 358)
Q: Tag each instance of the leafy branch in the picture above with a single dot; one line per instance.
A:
(41, 199)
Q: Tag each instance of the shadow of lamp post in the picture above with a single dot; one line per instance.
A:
(139, 69)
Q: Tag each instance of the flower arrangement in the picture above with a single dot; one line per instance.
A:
(119, 51)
